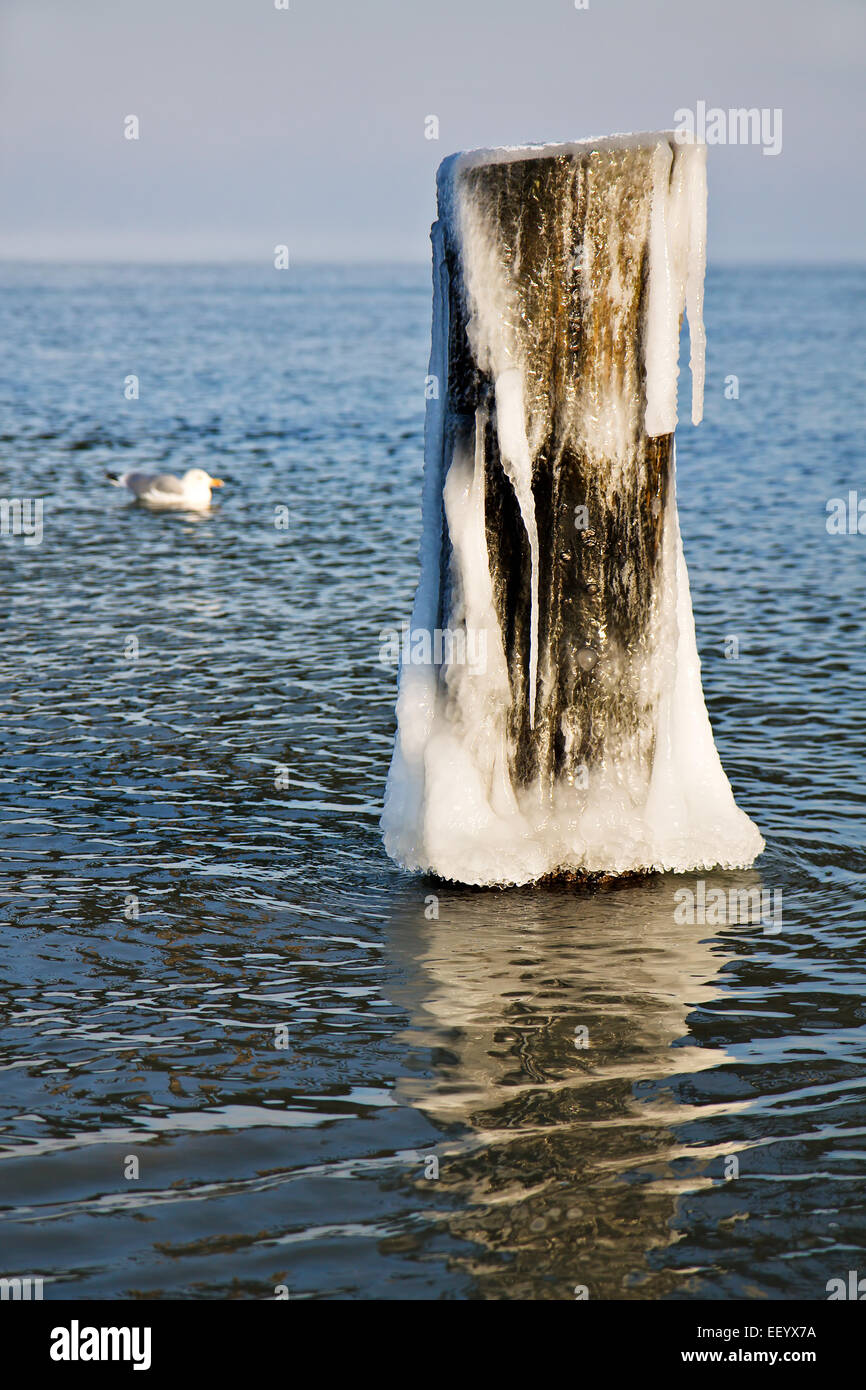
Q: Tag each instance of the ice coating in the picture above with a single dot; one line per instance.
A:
(550, 528)
(677, 256)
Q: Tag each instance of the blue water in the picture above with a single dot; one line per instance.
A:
(191, 860)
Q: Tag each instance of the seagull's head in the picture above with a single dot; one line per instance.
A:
(198, 478)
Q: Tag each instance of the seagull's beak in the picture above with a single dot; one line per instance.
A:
(217, 482)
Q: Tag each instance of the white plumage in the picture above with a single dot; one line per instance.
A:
(166, 492)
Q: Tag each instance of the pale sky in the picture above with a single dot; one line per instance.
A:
(306, 126)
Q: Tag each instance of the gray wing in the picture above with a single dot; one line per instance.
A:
(167, 482)
(140, 483)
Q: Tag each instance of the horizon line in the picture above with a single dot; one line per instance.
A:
(303, 262)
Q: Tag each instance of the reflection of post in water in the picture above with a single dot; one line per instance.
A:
(543, 1028)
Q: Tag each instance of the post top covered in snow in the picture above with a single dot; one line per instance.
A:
(507, 154)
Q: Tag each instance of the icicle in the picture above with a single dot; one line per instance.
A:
(678, 248)
(697, 264)
(662, 326)
(511, 429)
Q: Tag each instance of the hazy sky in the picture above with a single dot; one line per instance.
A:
(307, 127)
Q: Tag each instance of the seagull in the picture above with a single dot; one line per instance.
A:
(165, 492)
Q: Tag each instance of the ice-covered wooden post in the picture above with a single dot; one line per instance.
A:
(550, 716)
